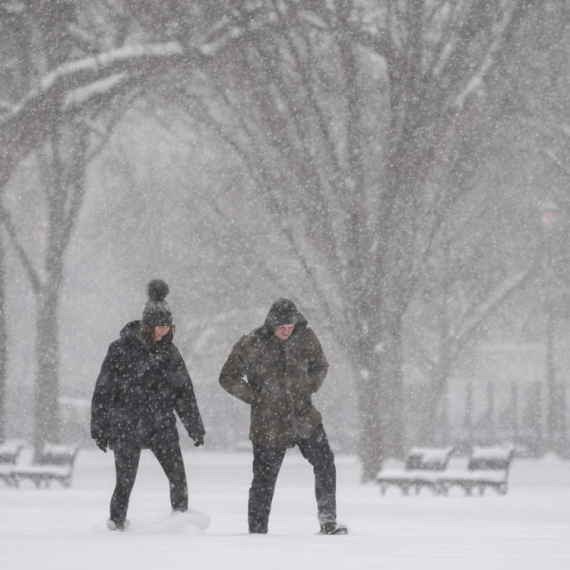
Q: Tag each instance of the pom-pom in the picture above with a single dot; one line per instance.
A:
(157, 290)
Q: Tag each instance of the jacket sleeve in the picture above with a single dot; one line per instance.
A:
(185, 403)
(318, 364)
(103, 396)
(233, 373)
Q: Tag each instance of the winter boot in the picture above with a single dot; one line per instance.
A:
(112, 525)
(333, 528)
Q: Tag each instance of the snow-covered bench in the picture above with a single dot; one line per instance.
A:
(9, 456)
(423, 468)
(488, 467)
(53, 463)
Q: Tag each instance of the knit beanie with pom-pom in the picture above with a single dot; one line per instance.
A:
(156, 312)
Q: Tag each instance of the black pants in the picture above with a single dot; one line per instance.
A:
(126, 467)
(266, 465)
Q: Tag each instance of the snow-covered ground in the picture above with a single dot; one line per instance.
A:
(64, 529)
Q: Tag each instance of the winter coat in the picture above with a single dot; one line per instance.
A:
(139, 387)
(277, 379)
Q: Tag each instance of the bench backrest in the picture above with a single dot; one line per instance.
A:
(9, 453)
(59, 455)
(491, 458)
(428, 458)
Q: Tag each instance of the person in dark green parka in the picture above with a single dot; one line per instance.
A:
(276, 369)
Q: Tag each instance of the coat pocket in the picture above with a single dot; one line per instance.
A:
(303, 426)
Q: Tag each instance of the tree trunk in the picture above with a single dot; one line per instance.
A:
(380, 397)
(370, 435)
(434, 406)
(47, 422)
(3, 343)
(391, 388)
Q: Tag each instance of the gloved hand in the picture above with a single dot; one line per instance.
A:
(102, 444)
(198, 440)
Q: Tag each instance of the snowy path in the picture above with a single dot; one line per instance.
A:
(64, 529)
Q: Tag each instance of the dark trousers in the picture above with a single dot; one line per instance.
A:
(267, 462)
(126, 467)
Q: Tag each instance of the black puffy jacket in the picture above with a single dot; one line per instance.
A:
(139, 387)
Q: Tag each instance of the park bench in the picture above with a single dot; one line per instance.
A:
(9, 457)
(53, 463)
(423, 468)
(487, 467)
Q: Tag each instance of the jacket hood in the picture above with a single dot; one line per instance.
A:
(282, 312)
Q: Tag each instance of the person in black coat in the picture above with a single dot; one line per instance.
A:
(143, 380)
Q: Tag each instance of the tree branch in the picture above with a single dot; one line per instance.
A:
(33, 275)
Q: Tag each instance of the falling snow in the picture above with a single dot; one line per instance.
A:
(398, 169)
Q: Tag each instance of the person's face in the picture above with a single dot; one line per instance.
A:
(283, 332)
(159, 332)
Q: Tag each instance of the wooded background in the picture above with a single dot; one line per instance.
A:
(398, 168)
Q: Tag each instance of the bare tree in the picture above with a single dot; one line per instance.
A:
(62, 152)
(461, 291)
(62, 104)
(343, 113)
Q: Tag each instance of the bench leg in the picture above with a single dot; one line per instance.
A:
(433, 487)
(7, 479)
